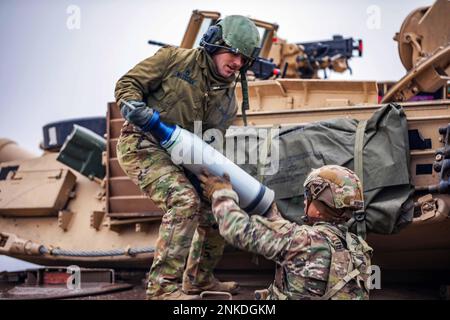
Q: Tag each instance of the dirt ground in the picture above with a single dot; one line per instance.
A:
(249, 282)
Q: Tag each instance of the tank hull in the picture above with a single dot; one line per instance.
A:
(422, 245)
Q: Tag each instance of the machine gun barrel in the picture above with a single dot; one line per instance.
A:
(157, 43)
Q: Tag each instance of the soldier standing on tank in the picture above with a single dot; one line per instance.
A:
(319, 260)
(183, 85)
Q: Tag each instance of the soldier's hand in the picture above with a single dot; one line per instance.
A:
(140, 116)
(211, 183)
(125, 110)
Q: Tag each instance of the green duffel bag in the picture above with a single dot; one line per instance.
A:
(376, 149)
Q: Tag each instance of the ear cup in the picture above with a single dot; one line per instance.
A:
(209, 39)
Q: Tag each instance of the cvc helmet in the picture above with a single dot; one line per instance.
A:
(338, 188)
(237, 34)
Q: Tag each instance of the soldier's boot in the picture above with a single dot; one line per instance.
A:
(171, 251)
(174, 194)
(261, 294)
(214, 285)
(175, 295)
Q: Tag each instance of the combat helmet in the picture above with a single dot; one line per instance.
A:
(238, 35)
(235, 33)
(338, 188)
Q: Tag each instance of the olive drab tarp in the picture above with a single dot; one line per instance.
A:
(382, 153)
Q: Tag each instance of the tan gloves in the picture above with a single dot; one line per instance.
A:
(211, 183)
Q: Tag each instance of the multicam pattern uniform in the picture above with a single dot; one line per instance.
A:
(183, 86)
(306, 267)
(184, 232)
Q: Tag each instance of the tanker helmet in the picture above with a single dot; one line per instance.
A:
(337, 187)
(237, 34)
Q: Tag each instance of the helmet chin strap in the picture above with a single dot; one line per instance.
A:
(244, 87)
(306, 218)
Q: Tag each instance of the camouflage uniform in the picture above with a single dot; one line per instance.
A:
(183, 86)
(311, 260)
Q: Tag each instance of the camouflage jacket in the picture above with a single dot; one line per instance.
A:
(183, 85)
(311, 260)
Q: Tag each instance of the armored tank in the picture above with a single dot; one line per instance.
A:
(74, 204)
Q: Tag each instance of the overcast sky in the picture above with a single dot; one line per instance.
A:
(60, 59)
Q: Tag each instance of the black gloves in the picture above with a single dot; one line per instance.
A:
(140, 116)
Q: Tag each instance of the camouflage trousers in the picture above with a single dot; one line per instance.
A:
(189, 244)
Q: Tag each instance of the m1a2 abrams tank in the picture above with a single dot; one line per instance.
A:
(74, 204)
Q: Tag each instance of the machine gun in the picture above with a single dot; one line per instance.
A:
(332, 54)
(264, 68)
